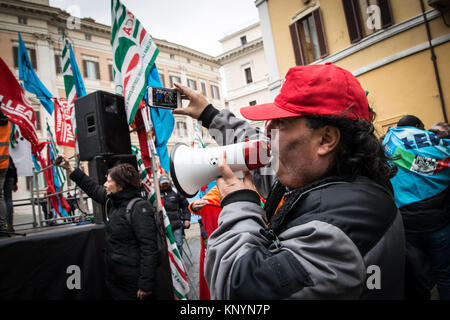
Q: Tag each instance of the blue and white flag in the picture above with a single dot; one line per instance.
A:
(30, 80)
(422, 159)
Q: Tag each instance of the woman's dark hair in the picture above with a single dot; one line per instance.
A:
(125, 175)
(359, 153)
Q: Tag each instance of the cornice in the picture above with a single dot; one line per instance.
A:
(239, 51)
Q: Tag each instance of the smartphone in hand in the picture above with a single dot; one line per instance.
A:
(164, 98)
(59, 160)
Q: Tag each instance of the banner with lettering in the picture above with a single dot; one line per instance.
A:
(422, 159)
(63, 123)
(16, 106)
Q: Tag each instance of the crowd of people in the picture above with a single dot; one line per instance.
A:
(341, 216)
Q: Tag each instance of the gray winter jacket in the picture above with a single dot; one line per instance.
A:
(333, 239)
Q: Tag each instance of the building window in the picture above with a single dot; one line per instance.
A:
(365, 17)
(91, 70)
(111, 72)
(174, 79)
(252, 103)
(248, 75)
(31, 55)
(192, 84)
(161, 77)
(37, 114)
(188, 60)
(215, 92)
(22, 20)
(87, 37)
(308, 38)
(181, 128)
(203, 86)
(58, 64)
(172, 56)
(243, 40)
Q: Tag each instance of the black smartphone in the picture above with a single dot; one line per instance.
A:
(164, 98)
(58, 160)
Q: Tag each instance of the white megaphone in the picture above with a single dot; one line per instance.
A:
(192, 168)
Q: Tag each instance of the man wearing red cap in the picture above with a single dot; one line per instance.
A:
(330, 228)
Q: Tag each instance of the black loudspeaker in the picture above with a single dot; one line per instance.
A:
(102, 126)
(98, 170)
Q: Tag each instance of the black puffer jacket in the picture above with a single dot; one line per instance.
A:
(428, 215)
(176, 207)
(131, 254)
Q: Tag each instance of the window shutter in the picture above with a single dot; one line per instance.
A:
(386, 13)
(16, 57)
(352, 19)
(85, 73)
(58, 64)
(97, 71)
(111, 72)
(33, 58)
(296, 44)
(203, 88)
(317, 16)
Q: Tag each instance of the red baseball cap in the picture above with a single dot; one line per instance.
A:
(315, 89)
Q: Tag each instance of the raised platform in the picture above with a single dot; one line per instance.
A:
(48, 262)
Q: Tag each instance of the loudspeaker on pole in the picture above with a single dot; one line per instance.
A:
(102, 127)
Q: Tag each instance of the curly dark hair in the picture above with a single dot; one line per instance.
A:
(359, 152)
(125, 175)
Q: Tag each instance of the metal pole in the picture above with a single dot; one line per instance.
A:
(32, 201)
(36, 182)
(152, 151)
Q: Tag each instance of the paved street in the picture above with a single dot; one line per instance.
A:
(191, 257)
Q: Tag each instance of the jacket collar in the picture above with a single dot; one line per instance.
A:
(121, 197)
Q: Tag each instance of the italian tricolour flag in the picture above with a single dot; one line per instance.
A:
(134, 54)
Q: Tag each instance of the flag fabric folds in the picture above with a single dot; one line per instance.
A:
(67, 71)
(63, 123)
(198, 139)
(16, 106)
(55, 178)
(73, 82)
(134, 54)
(30, 80)
(422, 159)
(77, 79)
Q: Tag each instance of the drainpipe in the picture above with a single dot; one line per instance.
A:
(434, 59)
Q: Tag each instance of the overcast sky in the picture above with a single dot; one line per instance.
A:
(198, 24)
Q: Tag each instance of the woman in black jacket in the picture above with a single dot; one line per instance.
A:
(131, 249)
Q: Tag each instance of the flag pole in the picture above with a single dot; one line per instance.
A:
(152, 152)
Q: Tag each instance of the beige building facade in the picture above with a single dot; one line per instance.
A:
(245, 69)
(42, 26)
(384, 43)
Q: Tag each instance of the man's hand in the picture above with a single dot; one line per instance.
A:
(141, 294)
(229, 183)
(197, 102)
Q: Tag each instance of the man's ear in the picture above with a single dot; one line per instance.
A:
(330, 137)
